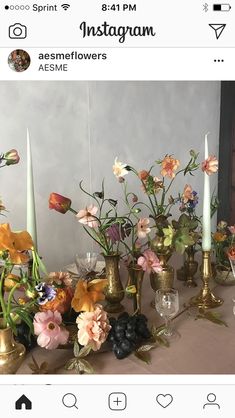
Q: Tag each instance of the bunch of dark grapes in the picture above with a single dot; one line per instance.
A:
(127, 333)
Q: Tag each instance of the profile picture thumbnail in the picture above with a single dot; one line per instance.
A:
(19, 60)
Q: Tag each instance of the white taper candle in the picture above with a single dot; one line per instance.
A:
(31, 211)
(206, 218)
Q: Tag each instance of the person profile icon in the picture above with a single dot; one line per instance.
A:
(211, 397)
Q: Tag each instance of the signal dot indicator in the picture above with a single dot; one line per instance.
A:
(7, 7)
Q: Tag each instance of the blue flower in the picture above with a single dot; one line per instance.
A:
(46, 293)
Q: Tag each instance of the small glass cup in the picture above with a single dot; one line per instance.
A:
(86, 262)
(167, 305)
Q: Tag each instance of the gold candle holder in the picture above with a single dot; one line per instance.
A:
(206, 299)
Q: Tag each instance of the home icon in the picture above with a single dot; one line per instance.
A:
(23, 403)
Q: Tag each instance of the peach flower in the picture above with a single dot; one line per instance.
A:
(143, 175)
(169, 165)
(143, 228)
(87, 216)
(60, 278)
(93, 328)
(210, 165)
(187, 193)
(47, 325)
(149, 262)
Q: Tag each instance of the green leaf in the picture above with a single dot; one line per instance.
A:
(43, 368)
(143, 356)
(184, 221)
(76, 349)
(70, 365)
(146, 347)
(25, 316)
(86, 367)
(213, 317)
(158, 331)
(179, 246)
(84, 351)
(162, 341)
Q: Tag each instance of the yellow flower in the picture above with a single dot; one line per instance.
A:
(219, 236)
(169, 234)
(10, 281)
(87, 294)
(15, 243)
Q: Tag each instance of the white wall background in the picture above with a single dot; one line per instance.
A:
(78, 128)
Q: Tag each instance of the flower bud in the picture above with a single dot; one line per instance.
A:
(11, 157)
(59, 203)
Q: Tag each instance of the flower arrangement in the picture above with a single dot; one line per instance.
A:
(157, 188)
(58, 311)
(224, 244)
(100, 220)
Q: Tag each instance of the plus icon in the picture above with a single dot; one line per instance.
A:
(117, 401)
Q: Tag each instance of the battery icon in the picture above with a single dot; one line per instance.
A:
(223, 7)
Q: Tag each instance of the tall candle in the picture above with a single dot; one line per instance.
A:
(206, 219)
(31, 212)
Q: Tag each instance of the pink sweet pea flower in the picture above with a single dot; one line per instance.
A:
(47, 325)
(149, 262)
(143, 228)
(210, 165)
(87, 216)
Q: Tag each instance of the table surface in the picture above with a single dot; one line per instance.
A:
(204, 347)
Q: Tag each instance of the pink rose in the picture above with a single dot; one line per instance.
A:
(93, 328)
(149, 262)
(47, 325)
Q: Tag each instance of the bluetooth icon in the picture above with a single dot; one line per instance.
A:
(205, 7)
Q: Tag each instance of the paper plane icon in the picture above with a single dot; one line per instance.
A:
(218, 28)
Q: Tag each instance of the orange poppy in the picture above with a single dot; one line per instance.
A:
(87, 294)
(219, 236)
(15, 243)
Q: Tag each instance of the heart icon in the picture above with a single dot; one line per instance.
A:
(164, 400)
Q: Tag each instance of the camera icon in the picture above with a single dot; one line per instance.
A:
(17, 31)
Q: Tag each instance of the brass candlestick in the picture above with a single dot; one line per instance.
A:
(206, 299)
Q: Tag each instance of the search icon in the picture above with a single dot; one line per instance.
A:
(69, 400)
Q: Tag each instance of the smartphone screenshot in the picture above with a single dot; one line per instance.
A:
(117, 208)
